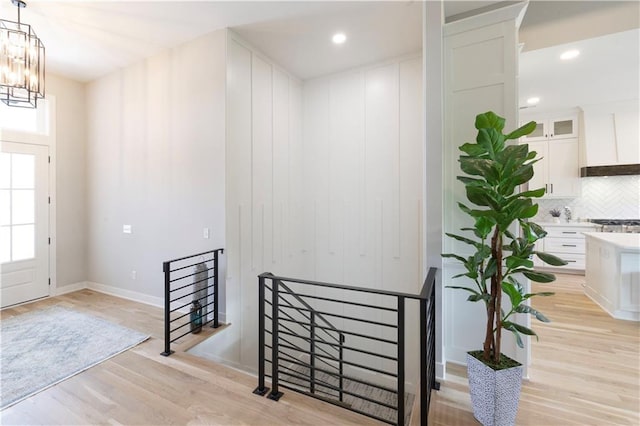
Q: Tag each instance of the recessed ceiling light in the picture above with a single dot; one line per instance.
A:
(570, 54)
(533, 101)
(339, 38)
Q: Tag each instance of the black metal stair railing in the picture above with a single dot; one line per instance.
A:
(360, 364)
(190, 295)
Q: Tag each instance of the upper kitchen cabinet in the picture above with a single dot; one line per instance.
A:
(611, 134)
(558, 170)
(553, 127)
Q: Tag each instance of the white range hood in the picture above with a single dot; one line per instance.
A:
(611, 139)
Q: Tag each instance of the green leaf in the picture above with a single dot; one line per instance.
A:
(542, 293)
(462, 239)
(537, 193)
(514, 262)
(539, 277)
(472, 149)
(491, 140)
(454, 256)
(526, 309)
(512, 292)
(550, 259)
(478, 297)
(489, 120)
(471, 290)
(509, 326)
(522, 131)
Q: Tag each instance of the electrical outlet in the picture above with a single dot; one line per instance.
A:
(126, 229)
(205, 233)
(134, 274)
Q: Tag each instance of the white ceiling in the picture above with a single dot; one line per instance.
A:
(87, 39)
(607, 69)
(375, 31)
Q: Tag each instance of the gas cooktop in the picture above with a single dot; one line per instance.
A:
(628, 222)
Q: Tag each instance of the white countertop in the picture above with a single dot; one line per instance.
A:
(568, 224)
(620, 240)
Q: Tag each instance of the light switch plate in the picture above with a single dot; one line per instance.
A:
(205, 233)
(126, 229)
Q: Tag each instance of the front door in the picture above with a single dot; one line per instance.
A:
(24, 222)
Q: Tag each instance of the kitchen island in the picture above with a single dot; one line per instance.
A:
(613, 273)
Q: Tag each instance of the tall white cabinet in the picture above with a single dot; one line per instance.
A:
(556, 142)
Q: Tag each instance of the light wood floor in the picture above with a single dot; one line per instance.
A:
(585, 371)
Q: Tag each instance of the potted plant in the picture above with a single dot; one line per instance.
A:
(500, 256)
(555, 213)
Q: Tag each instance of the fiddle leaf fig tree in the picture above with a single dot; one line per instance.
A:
(494, 172)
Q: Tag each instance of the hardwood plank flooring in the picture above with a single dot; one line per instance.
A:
(585, 371)
(140, 387)
(585, 368)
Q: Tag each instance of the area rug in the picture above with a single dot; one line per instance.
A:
(41, 348)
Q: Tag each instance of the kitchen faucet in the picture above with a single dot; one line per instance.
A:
(567, 213)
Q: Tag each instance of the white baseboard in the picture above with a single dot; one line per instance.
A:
(127, 294)
(69, 288)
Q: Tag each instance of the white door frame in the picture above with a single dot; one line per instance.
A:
(47, 139)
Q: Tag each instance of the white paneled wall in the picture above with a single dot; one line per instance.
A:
(324, 181)
(363, 176)
(263, 176)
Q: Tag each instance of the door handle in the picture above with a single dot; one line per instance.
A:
(552, 188)
(569, 245)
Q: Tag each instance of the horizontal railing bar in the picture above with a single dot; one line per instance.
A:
(293, 344)
(268, 275)
(189, 322)
(189, 313)
(350, 333)
(364, 367)
(350, 348)
(301, 323)
(221, 250)
(346, 302)
(184, 334)
(190, 284)
(185, 305)
(343, 317)
(318, 314)
(192, 293)
(297, 348)
(192, 265)
(346, 376)
(337, 403)
(191, 275)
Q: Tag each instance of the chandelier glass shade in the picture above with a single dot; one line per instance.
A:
(21, 63)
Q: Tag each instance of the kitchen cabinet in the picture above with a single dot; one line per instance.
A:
(567, 241)
(558, 171)
(611, 134)
(557, 127)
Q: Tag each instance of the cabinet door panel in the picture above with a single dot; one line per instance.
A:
(540, 169)
(564, 169)
(627, 131)
(563, 128)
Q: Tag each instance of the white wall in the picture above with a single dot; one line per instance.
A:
(71, 256)
(155, 161)
(480, 75)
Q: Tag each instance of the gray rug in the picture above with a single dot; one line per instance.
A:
(41, 348)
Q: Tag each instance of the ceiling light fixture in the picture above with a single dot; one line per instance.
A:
(570, 54)
(339, 38)
(533, 101)
(21, 63)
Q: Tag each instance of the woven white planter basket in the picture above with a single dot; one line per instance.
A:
(494, 394)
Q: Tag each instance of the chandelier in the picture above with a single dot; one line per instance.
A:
(21, 63)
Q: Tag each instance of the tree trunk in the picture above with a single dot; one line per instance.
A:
(497, 249)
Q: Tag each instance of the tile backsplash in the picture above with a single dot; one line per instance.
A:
(613, 197)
